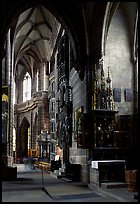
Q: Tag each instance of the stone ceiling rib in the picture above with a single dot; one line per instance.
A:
(35, 26)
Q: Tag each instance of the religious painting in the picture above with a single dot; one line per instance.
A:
(5, 101)
(77, 124)
(128, 95)
(80, 133)
(117, 94)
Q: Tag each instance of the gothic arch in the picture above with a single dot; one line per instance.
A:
(23, 139)
(84, 31)
(110, 9)
(62, 12)
(130, 19)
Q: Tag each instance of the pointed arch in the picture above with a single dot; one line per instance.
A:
(23, 139)
(27, 87)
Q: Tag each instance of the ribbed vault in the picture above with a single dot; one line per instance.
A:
(32, 38)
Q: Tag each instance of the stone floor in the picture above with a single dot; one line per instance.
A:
(33, 185)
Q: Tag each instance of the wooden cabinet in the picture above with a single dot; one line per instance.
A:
(106, 134)
(123, 132)
(104, 126)
(97, 129)
(110, 134)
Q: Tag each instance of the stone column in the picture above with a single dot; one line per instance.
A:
(8, 64)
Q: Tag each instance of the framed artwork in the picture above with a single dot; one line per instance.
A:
(128, 95)
(117, 94)
(5, 112)
(77, 115)
(83, 123)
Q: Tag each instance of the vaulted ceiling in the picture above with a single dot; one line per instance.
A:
(33, 37)
(34, 24)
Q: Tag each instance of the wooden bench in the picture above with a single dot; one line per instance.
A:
(43, 165)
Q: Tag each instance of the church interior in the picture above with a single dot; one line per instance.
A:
(70, 88)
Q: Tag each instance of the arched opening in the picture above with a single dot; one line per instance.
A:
(23, 140)
(61, 13)
(26, 87)
(43, 46)
(38, 38)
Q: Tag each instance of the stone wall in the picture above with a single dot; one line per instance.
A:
(35, 111)
(118, 58)
(77, 155)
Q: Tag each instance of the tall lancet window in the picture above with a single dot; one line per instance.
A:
(26, 87)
